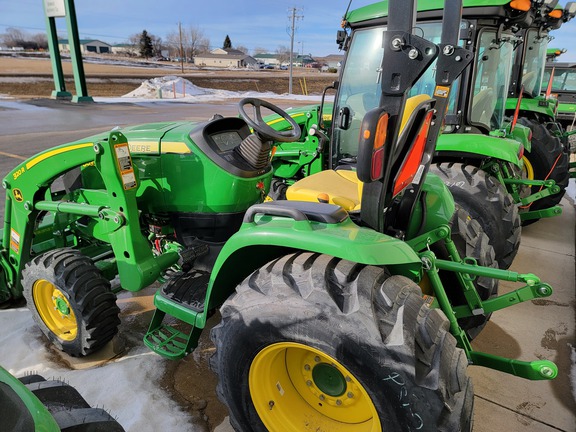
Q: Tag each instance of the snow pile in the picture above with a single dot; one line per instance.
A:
(167, 87)
(128, 387)
(177, 89)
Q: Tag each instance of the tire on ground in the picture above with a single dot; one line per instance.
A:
(401, 364)
(488, 202)
(548, 161)
(470, 241)
(70, 301)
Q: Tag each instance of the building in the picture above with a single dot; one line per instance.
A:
(124, 49)
(87, 46)
(268, 59)
(224, 58)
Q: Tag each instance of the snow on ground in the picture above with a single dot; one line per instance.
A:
(128, 388)
(174, 88)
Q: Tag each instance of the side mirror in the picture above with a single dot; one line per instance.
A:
(372, 146)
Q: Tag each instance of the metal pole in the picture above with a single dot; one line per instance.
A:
(59, 91)
(76, 54)
(291, 48)
(181, 47)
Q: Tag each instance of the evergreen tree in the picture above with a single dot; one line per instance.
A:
(145, 45)
(227, 42)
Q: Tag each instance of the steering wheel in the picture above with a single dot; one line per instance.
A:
(259, 125)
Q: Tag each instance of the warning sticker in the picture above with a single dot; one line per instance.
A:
(442, 92)
(125, 166)
(14, 241)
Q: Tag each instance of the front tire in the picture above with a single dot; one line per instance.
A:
(312, 342)
(70, 301)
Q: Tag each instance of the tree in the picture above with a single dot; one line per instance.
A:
(283, 53)
(260, 50)
(242, 48)
(227, 42)
(194, 42)
(145, 46)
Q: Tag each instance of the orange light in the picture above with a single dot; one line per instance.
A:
(378, 148)
(556, 13)
(367, 134)
(381, 132)
(522, 5)
(412, 162)
(521, 150)
(323, 198)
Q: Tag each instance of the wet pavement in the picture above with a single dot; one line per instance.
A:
(539, 329)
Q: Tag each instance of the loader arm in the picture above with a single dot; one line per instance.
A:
(110, 213)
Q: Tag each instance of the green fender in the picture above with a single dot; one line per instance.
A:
(479, 145)
(269, 237)
(538, 105)
(521, 134)
(438, 207)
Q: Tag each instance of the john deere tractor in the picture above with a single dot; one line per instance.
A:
(479, 155)
(547, 156)
(324, 322)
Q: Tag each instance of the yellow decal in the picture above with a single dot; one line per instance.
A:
(175, 147)
(18, 172)
(14, 240)
(18, 195)
(442, 92)
(55, 152)
(143, 147)
(278, 120)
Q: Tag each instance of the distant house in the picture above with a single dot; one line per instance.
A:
(124, 49)
(224, 58)
(268, 59)
(87, 46)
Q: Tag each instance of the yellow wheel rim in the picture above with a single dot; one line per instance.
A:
(54, 310)
(528, 170)
(297, 387)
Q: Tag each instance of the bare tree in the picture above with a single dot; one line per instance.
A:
(283, 53)
(14, 37)
(242, 48)
(260, 50)
(194, 42)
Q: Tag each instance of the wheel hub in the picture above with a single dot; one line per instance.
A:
(292, 384)
(54, 310)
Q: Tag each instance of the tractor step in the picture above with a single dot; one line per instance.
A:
(187, 289)
(182, 298)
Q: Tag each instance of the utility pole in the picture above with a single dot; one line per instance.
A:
(181, 47)
(293, 19)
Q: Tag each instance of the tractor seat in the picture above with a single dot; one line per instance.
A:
(341, 186)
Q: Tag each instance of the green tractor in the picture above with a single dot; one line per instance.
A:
(564, 88)
(547, 156)
(324, 321)
(479, 156)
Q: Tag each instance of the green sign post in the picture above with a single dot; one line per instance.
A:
(65, 8)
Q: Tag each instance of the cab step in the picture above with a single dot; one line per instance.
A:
(182, 298)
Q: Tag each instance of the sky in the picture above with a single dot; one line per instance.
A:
(249, 23)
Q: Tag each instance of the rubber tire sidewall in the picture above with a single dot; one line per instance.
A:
(253, 321)
(93, 331)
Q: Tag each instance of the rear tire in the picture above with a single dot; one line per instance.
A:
(488, 202)
(313, 342)
(70, 301)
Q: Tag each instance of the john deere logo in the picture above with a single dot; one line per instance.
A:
(18, 195)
